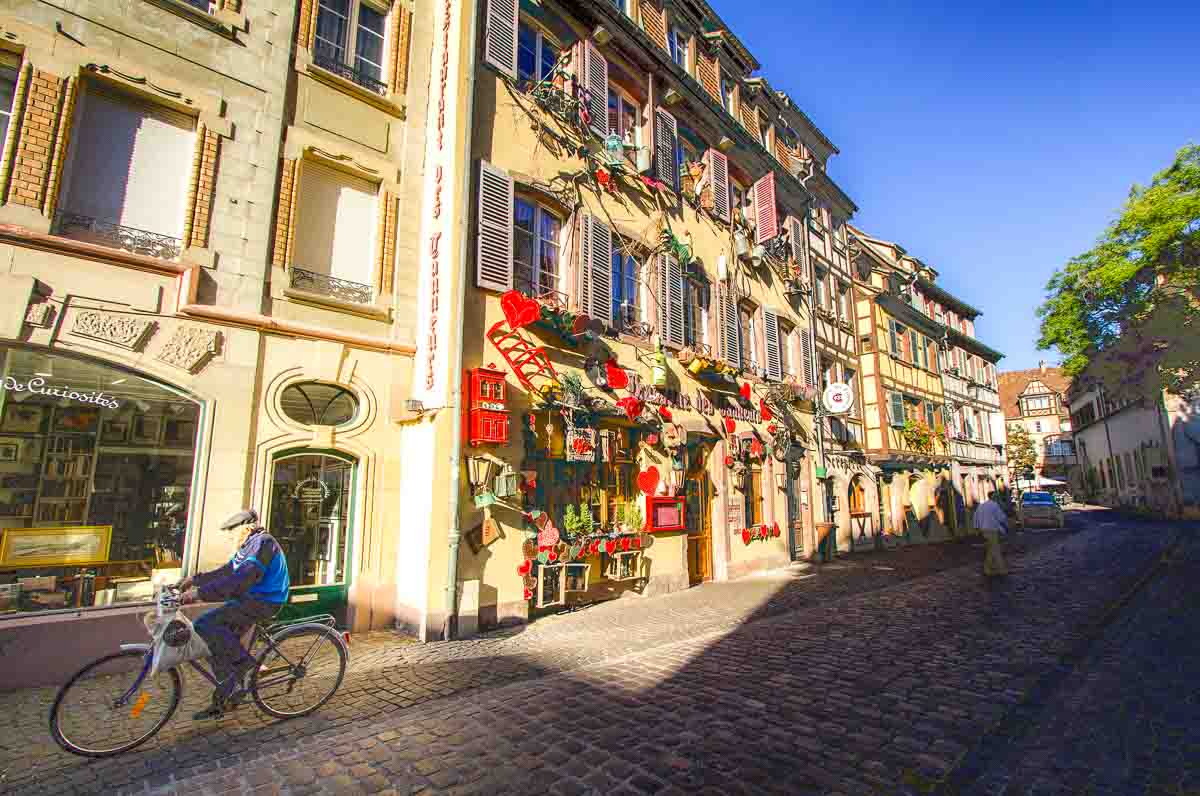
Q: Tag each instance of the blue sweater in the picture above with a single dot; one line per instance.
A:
(258, 571)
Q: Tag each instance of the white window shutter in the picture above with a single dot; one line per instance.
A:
(796, 233)
(728, 322)
(665, 133)
(500, 36)
(494, 255)
(145, 149)
(595, 83)
(806, 356)
(771, 335)
(595, 268)
(766, 220)
(335, 232)
(718, 172)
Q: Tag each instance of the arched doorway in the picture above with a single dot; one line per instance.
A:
(311, 515)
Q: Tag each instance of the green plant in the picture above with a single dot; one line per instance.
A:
(918, 435)
(578, 524)
(631, 516)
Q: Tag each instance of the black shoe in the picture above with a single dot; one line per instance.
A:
(213, 711)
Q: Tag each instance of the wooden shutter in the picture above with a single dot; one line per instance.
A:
(896, 408)
(594, 80)
(129, 163)
(796, 233)
(807, 359)
(595, 268)
(494, 255)
(766, 220)
(670, 300)
(500, 36)
(336, 228)
(665, 134)
(772, 337)
(718, 173)
(727, 323)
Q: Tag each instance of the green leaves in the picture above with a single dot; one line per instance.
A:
(1131, 304)
(1020, 451)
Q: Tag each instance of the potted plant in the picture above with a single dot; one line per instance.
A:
(629, 518)
(577, 525)
(918, 435)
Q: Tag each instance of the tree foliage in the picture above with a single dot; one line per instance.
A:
(1128, 310)
(1022, 456)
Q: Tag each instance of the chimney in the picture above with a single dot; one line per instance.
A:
(1042, 366)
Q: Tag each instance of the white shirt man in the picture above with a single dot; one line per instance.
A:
(991, 520)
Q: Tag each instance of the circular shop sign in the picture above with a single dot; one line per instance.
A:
(837, 398)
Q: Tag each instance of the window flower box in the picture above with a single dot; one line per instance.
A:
(624, 566)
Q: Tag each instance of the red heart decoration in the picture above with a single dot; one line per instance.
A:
(648, 480)
(618, 379)
(746, 535)
(610, 546)
(771, 429)
(730, 425)
(729, 461)
(528, 594)
(756, 448)
(764, 410)
(595, 547)
(775, 530)
(745, 390)
(664, 413)
(631, 405)
(637, 543)
(761, 532)
(519, 310)
(581, 445)
(626, 542)
(553, 556)
(525, 567)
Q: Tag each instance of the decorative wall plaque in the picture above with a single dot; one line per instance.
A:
(126, 331)
(40, 314)
(190, 348)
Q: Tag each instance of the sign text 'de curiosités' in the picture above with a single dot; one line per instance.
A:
(37, 386)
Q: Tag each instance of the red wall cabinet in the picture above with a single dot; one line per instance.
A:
(488, 407)
(665, 514)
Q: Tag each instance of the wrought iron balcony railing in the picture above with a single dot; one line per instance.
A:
(327, 59)
(331, 286)
(105, 233)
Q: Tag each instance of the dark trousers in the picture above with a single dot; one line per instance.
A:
(222, 629)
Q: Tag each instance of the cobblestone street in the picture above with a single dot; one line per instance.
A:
(877, 673)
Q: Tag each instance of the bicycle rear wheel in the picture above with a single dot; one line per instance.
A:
(300, 672)
(96, 714)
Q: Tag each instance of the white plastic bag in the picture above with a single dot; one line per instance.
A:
(174, 640)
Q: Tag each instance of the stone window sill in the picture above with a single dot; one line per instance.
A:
(393, 104)
(222, 22)
(363, 310)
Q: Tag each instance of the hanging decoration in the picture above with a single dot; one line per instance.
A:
(760, 533)
(730, 425)
(648, 480)
(631, 406)
(744, 391)
(618, 379)
(664, 413)
(756, 449)
(519, 310)
(765, 411)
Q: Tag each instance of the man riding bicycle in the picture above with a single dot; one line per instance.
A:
(254, 585)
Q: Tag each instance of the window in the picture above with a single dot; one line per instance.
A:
(1037, 426)
(896, 409)
(678, 45)
(200, 5)
(896, 338)
(737, 201)
(728, 98)
(914, 343)
(785, 349)
(535, 249)
(746, 342)
(843, 302)
(624, 116)
(685, 153)
(930, 415)
(121, 140)
(850, 377)
(350, 33)
(335, 233)
(828, 372)
(765, 132)
(313, 403)
(536, 55)
(9, 66)
(626, 306)
(695, 314)
(753, 496)
(820, 293)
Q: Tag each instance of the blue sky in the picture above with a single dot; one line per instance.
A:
(994, 141)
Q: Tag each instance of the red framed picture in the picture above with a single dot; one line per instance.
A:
(665, 514)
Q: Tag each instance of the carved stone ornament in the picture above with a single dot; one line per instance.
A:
(40, 315)
(126, 331)
(190, 348)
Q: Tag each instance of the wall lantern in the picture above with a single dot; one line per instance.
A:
(672, 97)
(507, 483)
(614, 146)
(488, 412)
(480, 471)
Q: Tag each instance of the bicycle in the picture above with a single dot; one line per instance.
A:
(115, 692)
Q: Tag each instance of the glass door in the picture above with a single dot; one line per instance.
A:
(311, 517)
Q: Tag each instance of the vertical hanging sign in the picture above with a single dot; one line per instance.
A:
(439, 192)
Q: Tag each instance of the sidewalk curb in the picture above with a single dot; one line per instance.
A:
(1017, 719)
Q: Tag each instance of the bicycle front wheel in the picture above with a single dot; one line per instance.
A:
(299, 672)
(100, 712)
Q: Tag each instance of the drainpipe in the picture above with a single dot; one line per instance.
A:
(456, 376)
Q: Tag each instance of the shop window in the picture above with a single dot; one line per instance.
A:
(536, 54)
(313, 403)
(125, 182)
(536, 233)
(96, 472)
(10, 65)
(350, 41)
(309, 516)
(335, 234)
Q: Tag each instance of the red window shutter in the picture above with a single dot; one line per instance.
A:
(766, 219)
(718, 172)
(500, 36)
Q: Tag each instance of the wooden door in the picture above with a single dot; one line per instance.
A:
(698, 491)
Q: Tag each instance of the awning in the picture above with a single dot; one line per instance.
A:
(1040, 481)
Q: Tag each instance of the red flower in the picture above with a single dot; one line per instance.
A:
(746, 535)
(664, 413)
(756, 448)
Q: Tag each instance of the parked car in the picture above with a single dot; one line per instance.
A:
(1040, 508)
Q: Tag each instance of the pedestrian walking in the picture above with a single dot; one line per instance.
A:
(991, 520)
